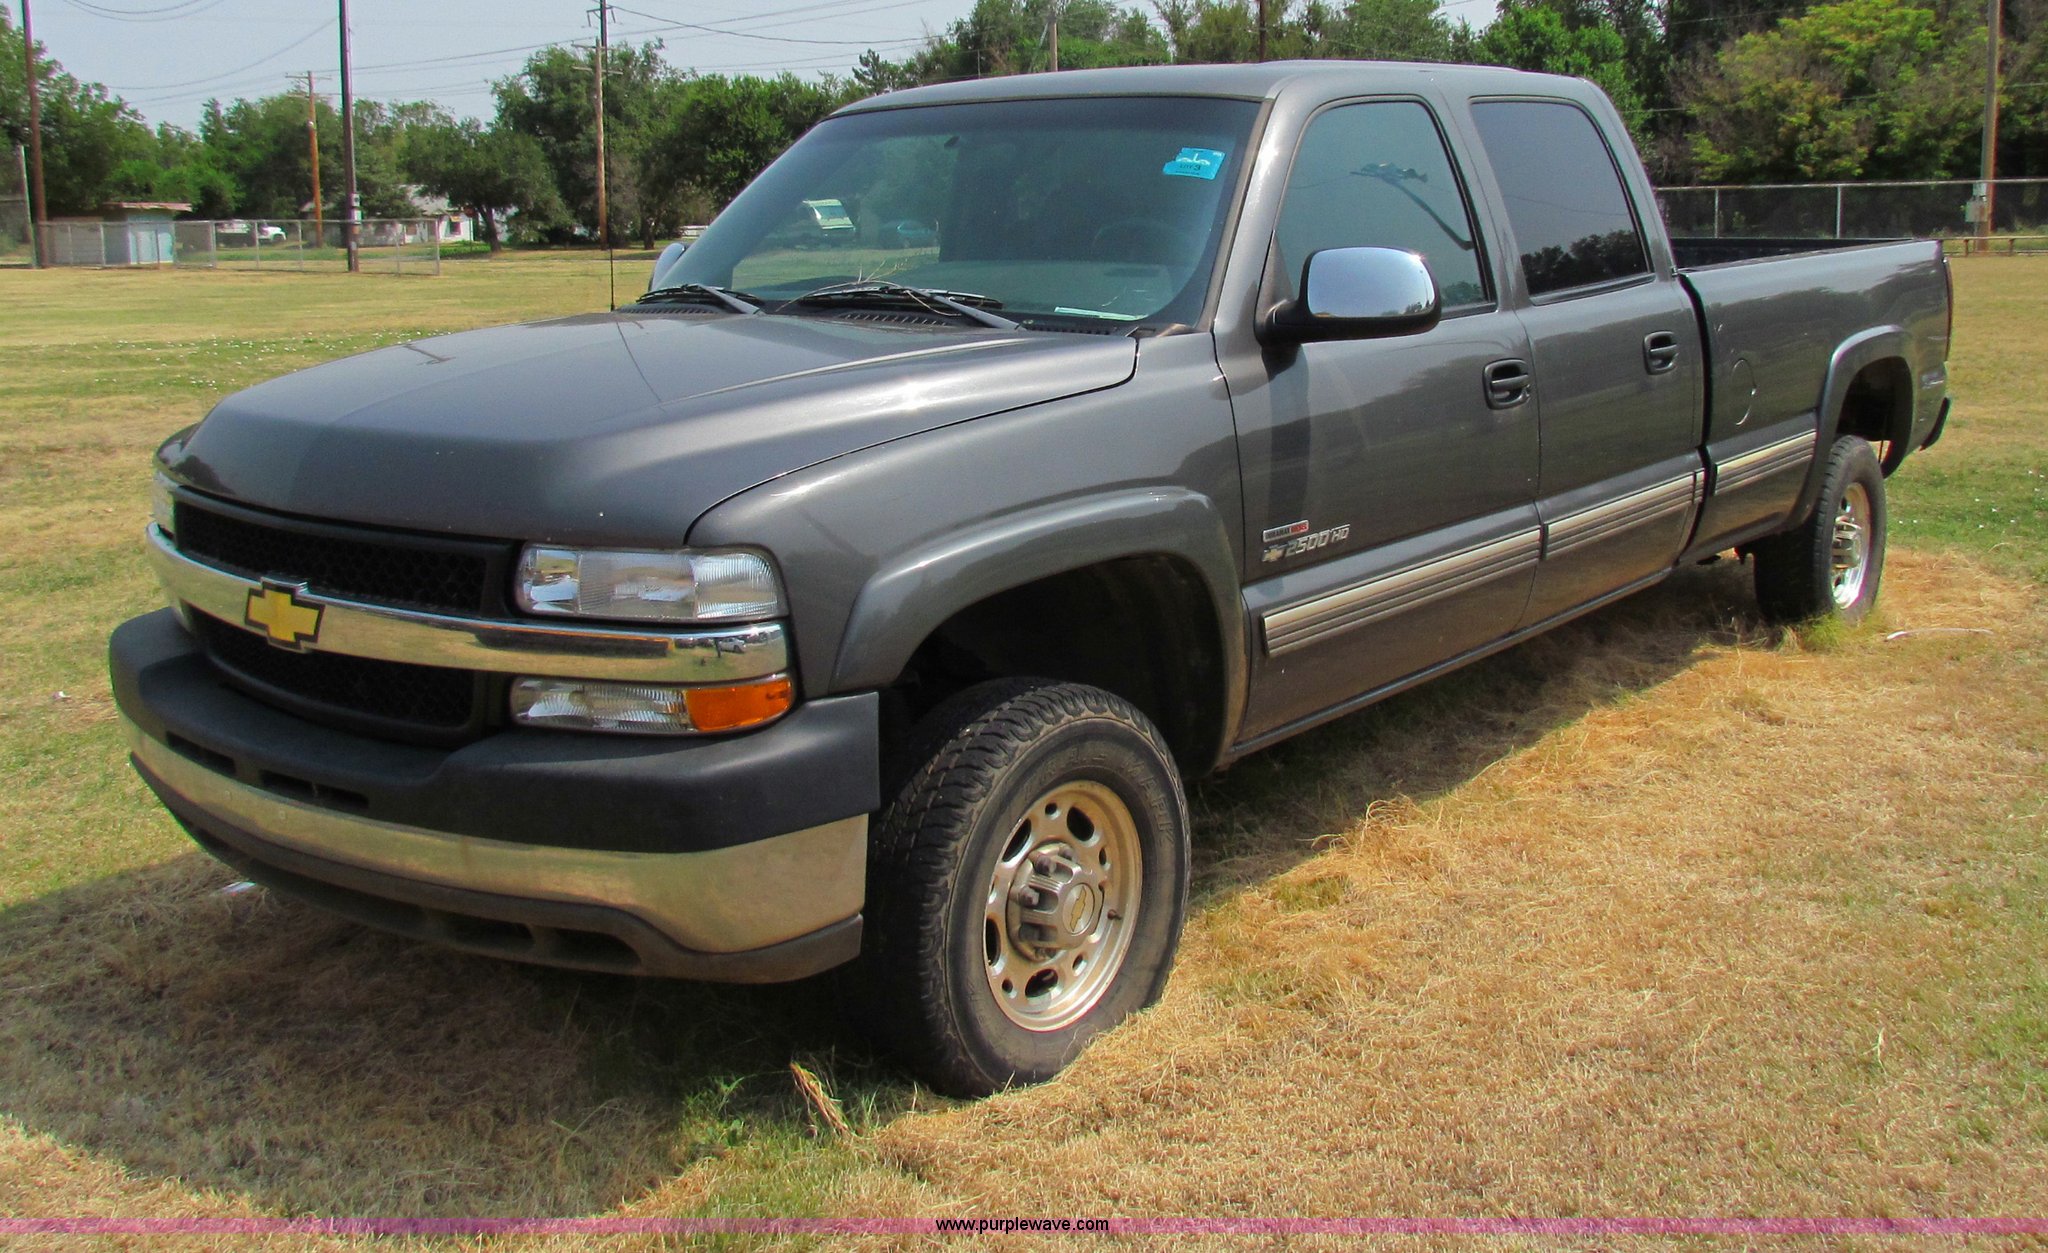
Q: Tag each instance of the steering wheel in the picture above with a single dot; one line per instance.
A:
(1140, 238)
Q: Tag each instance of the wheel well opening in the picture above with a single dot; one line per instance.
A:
(1141, 627)
(1879, 407)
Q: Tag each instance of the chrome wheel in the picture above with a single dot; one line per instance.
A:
(1061, 905)
(1849, 559)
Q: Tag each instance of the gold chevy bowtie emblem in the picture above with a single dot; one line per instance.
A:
(274, 609)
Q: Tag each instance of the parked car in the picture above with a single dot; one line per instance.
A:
(235, 230)
(796, 619)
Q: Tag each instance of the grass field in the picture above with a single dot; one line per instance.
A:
(1663, 914)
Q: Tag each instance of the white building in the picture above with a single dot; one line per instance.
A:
(456, 227)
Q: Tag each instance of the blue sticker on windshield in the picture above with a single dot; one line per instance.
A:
(1195, 163)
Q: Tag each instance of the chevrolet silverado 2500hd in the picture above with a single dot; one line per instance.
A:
(861, 595)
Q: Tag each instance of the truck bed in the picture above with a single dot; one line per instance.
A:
(1699, 251)
(1785, 313)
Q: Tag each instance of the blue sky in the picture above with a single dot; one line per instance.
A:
(166, 57)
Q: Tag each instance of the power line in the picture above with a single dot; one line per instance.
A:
(851, 9)
(465, 56)
(212, 78)
(863, 12)
(172, 13)
(670, 25)
(745, 26)
(740, 34)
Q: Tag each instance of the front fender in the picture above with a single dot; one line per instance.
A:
(916, 591)
(880, 547)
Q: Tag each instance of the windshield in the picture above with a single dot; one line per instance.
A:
(1062, 212)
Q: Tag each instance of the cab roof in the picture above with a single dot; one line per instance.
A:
(1266, 80)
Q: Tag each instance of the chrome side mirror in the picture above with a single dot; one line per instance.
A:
(1357, 293)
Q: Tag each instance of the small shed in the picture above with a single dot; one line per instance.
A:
(141, 232)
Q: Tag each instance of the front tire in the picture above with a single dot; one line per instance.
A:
(1831, 562)
(1026, 885)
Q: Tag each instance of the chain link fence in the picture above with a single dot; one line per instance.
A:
(383, 245)
(1946, 209)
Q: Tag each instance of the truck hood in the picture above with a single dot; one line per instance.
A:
(618, 428)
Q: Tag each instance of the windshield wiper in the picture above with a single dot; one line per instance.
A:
(961, 304)
(738, 302)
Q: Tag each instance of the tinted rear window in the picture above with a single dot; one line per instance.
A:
(1564, 194)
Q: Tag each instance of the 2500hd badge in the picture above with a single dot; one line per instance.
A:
(1295, 538)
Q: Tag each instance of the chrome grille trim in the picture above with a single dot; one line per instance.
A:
(386, 633)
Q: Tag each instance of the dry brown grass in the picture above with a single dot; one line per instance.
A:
(1661, 914)
(1707, 949)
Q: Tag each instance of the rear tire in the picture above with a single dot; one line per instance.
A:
(1026, 885)
(1832, 561)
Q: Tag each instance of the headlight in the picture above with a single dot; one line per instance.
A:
(676, 585)
(162, 506)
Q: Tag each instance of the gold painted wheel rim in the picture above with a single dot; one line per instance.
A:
(1061, 905)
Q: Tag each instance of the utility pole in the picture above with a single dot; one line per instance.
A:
(313, 142)
(1053, 33)
(1262, 30)
(351, 206)
(38, 211)
(604, 219)
(1996, 20)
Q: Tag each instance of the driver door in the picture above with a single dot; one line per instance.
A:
(1389, 482)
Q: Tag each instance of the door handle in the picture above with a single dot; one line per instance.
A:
(1660, 351)
(1508, 383)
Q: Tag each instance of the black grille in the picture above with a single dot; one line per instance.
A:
(374, 566)
(430, 698)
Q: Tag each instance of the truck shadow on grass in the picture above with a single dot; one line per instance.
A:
(254, 1048)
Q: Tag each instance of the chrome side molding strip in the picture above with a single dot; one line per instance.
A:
(356, 629)
(1760, 463)
(1318, 619)
(1639, 508)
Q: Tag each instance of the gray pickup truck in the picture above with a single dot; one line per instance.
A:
(860, 596)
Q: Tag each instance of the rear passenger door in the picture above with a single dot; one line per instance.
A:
(1616, 351)
(1390, 523)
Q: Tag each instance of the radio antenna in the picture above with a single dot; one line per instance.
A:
(604, 221)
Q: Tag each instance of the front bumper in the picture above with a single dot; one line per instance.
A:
(740, 859)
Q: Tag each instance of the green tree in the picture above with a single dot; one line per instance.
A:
(1538, 35)
(1012, 37)
(1384, 30)
(2023, 131)
(87, 133)
(261, 145)
(485, 171)
(550, 99)
(1377, 30)
(1854, 89)
(716, 133)
(383, 134)
(1214, 31)
(181, 169)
